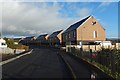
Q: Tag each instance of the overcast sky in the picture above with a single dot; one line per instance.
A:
(35, 18)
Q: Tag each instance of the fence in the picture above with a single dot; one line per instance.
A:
(6, 51)
(95, 47)
(10, 51)
(108, 57)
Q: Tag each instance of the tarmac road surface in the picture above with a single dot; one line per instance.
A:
(41, 63)
(45, 63)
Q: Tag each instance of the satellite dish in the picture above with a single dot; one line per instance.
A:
(93, 23)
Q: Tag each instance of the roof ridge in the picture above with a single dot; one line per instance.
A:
(76, 24)
(55, 33)
(82, 19)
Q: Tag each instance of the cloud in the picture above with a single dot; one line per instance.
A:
(24, 19)
(27, 19)
(60, 0)
(84, 12)
(104, 4)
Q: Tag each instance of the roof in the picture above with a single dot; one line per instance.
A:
(2, 40)
(76, 25)
(29, 38)
(40, 36)
(18, 39)
(54, 34)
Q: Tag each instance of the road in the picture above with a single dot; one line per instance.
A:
(41, 63)
(46, 63)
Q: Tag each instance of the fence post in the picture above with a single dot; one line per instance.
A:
(89, 47)
(91, 54)
(66, 48)
(113, 62)
(95, 47)
(81, 52)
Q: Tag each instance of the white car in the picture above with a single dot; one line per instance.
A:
(106, 43)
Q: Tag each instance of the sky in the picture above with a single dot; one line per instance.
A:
(20, 19)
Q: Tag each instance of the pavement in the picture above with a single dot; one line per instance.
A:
(41, 63)
(9, 58)
(81, 71)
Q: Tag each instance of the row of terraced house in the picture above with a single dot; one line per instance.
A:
(85, 31)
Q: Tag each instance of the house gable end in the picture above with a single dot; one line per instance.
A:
(76, 25)
(89, 29)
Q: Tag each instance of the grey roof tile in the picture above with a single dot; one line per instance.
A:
(54, 34)
(76, 25)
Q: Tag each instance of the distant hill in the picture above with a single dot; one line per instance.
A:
(113, 39)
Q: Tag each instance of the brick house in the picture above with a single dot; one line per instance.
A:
(87, 30)
(42, 39)
(28, 40)
(55, 38)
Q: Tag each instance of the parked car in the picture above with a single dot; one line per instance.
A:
(106, 43)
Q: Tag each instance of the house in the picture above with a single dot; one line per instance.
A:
(115, 42)
(28, 40)
(42, 39)
(8, 38)
(55, 38)
(85, 31)
(3, 43)
(17, 39)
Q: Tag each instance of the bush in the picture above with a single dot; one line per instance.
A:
(11, 44)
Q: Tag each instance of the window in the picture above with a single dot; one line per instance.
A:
(3, 44)
(66, 36)
(69, 35)
(74, 34)
(94, 34)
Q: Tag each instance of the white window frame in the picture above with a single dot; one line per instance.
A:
(66, 36)
(69, 35)
(74, 34)
(94, 34)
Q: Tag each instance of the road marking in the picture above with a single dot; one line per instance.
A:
(9, 60)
